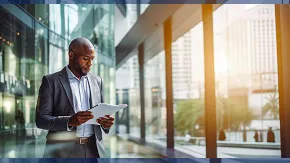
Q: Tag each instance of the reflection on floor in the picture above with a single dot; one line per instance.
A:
(10, 147)
(195, 151)
(121, 148)
(230, 152)
(20, 146)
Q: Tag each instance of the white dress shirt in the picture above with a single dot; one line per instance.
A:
(81, 101)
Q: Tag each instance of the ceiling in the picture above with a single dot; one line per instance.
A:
(149, 29)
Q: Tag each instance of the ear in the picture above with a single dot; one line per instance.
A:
(71, 55)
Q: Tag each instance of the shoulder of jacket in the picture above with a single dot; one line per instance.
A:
(53, 75)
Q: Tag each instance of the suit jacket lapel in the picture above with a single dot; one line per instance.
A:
(65, 83)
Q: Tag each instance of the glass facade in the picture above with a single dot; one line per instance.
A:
(145, 4)
(155, 98)
(132, 14)
(128, 92)
(34, 42)
(246, 80)
(188, 90)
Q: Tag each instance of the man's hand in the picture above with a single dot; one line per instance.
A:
(106, 121)
(80, 118)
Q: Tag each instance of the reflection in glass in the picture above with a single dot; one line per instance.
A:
(27, 53)
(144, 5)
(246, 81)
(188, 90)
(131, 14)
(128, 91)
(155, 98)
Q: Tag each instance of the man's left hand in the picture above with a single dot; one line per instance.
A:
(106, 121)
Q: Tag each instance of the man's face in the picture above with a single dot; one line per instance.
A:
(83, 59)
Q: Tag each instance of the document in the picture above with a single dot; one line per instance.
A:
(103, 109)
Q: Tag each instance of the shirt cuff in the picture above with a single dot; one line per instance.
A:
(69, 128)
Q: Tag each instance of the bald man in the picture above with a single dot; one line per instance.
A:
(63, 101)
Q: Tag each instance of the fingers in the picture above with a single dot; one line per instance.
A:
(82, 121)
(112, 118)
(84, 113)
(105, 122)
(85, 117)
(81, 117)
(108, 120)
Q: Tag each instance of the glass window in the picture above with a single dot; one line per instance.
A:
(131, 14)
(128, 92)
(102, 36)
(188, 90)
(155, 98)
(144, 5)
(18, 58)
(55, 18)
(24, 60)
(41, 13)
(247, 103)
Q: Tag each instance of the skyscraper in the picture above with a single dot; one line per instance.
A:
(181, 67)
(247, 42)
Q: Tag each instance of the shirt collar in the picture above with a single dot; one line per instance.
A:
(71, 75)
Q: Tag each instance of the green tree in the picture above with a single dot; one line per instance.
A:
(189, 113)
(272, 106)
(230, 114)
(235, 113)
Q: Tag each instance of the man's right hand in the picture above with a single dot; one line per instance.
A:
(80, 118)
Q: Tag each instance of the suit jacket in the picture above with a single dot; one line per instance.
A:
(55, 106)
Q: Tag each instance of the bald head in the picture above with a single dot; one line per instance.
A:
(80, 43)
(81, 54)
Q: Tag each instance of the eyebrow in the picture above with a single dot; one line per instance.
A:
(88, 56)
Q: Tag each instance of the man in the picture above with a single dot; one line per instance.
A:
(63, 101)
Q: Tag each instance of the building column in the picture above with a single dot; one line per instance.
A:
(210, 97)
(168, 71)
(282, 13)
(142, 92)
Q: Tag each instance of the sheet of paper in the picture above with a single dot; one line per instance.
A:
(103, 109)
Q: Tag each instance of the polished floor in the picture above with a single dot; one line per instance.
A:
(122, 148)
(12, 146)
(20, 145)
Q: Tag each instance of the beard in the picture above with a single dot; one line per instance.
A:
(81, 70)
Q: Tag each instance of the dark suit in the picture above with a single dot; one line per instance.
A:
(55, 106)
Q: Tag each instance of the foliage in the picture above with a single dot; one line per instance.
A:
(189, 113)
(230, 114)
(272, 106)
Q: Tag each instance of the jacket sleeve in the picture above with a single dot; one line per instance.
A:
(106, 130)
(44, 109)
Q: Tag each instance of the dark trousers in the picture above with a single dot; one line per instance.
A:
(71, 149)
